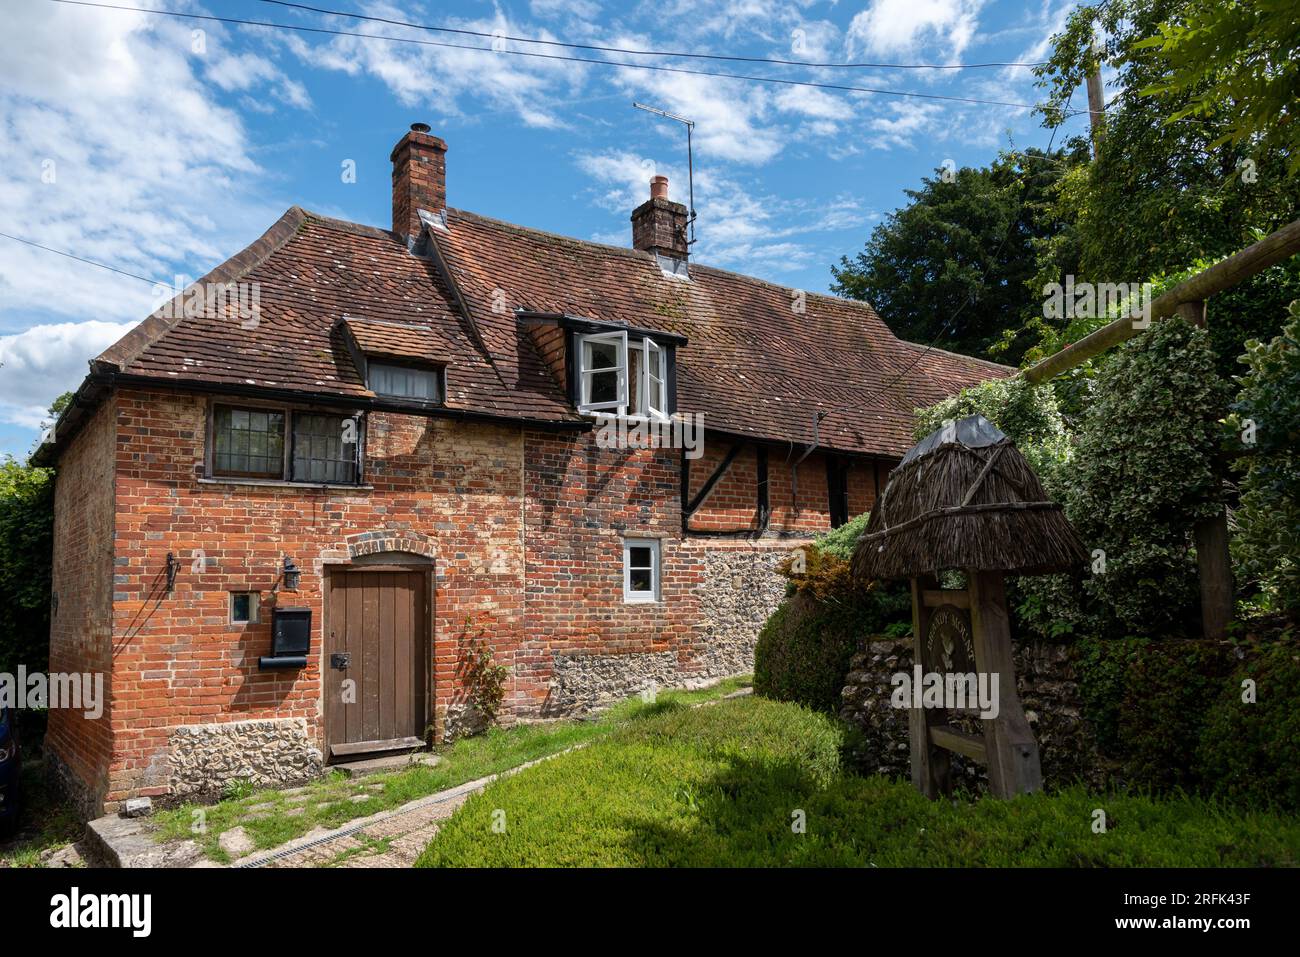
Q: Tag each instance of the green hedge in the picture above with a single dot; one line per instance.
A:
(804, 649)
(1169, 715)
(1251, 751)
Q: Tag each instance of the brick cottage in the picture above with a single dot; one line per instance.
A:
(293, 500)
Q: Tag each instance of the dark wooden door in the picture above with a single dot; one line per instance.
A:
(375, 661)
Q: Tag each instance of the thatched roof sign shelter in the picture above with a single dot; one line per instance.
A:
(964, 497)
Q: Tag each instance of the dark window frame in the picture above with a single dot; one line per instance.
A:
(289, 413)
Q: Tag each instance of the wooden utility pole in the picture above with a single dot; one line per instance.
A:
(1096, 99)
(1213, 561)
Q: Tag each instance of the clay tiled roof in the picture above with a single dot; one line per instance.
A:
(761, 359)
(401, 340)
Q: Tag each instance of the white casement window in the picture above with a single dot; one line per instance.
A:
(622, 377)
(603, 371)
(640, 569)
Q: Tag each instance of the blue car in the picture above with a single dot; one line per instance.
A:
(10, 762)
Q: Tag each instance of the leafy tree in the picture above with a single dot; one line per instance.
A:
(956, 262)
(1165, 189)
(26, 543)
(1236, 62)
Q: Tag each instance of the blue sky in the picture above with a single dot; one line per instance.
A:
(130, 140)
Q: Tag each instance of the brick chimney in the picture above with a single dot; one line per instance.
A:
(419, 179)
(659, 224)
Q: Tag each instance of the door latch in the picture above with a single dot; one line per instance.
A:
(341, 662)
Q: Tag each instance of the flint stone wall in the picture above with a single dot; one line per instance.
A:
(1049, 692)
(268, 753)
(739, 590)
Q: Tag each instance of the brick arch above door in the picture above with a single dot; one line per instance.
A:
(402, 540)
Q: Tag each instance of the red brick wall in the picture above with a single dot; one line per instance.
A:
(525, 529)
(732, 504)
(582, 501)
(453, 487)
(81, 626)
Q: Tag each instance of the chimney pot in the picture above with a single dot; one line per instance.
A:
(659, 224)
(419, 179)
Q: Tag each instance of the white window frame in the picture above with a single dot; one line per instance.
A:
(656, 564)
(652, 390)
(654, 386)
(585, 373)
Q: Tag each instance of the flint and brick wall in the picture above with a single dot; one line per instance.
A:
(525, 531)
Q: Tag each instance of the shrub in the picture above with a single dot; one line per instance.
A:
(1251, 752)
(1028, 415)
(822, 568)
(1167, 696)
(1102, 668)
(1267, 546)
(803, 652)
(26, 542)
(1143, 475)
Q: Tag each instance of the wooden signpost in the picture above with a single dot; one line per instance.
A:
(965, 498)
(965, 632)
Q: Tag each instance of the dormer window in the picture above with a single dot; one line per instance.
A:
(622, 375)
(397, 360)
(405, 382)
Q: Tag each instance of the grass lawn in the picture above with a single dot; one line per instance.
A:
(728, 784)
(271, 817)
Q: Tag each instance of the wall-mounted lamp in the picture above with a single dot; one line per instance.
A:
(173, 565)
(292, 574)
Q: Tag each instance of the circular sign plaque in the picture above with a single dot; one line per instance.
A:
(949, 645)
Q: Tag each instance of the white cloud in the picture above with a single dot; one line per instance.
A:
(116, 148)
(45, 361)
(446, 77)
(740, 226)
(905, 26)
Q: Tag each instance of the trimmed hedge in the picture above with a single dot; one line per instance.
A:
(1251, 751)
(804, 649)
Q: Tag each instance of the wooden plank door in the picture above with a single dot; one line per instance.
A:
(375, 661)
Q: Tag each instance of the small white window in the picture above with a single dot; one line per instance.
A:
(640, 569)
(603, 371)
(244, 607)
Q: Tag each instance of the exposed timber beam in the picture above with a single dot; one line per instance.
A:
(1225, 274)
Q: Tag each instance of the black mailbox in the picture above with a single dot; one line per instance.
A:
(290, 639)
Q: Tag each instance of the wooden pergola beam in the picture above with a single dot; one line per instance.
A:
(1225, 274)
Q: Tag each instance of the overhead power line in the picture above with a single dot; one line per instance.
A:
(661, 53)
(80, 259)
(781, 81)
